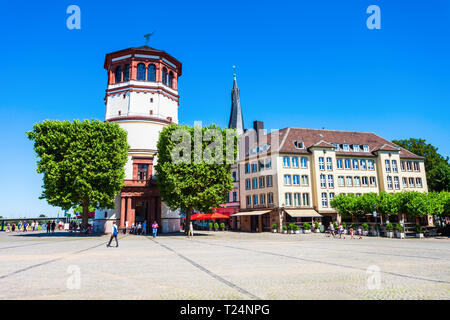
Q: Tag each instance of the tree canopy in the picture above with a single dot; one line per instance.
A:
(186, 177)
(437, 167)
(82, 162)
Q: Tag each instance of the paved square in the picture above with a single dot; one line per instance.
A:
(222, 265)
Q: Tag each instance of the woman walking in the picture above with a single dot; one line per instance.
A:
(155, 228)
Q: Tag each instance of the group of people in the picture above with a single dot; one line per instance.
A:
(23, 226)
(341, 232)
(139, 229)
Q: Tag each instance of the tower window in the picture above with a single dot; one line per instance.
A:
(126, 73)
(164, 76)
(171, 79)
(151, 100)
(151, 73)
(140, 72)
(118, 74)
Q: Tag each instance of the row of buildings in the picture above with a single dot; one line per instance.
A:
(281, 176)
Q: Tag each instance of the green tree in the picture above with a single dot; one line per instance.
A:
(437, 167)
(388, 203)
(82, 162)
(42, 216)
(193, 183)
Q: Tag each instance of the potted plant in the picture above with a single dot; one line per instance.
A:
(400, 232)
(210, 226)
(285, 229)
(296, 230)
(274, 228)
(344, 225)
(365, 227)
(419, 232)
(389, 230)
(316, 226)
(335, 225)
(216, 226)
(222, 226)
(292, 228)
(306, 227)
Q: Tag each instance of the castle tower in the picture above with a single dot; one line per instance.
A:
(236, 119)
(142, 97)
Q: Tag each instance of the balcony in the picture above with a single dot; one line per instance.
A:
(138, 183)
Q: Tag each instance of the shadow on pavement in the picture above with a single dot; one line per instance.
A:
(55, 234)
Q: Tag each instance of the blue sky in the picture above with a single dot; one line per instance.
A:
(310, 64)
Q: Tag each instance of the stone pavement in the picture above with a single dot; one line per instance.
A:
(222, 265)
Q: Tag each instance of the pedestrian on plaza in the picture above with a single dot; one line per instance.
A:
(341, 231)
(359, 232)
(332, 229)
(133, 229)
(155, 228)
(144, 227)
(13, 228)
(25, 226)
(48, 226)
(191, 230)
(352, 232)
(114, 233)
(53, 226)
(8, 227)
(139, 227)
(32, 226)
(19, 226)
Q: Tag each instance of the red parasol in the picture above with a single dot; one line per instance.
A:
(218, 216)
(199, 216)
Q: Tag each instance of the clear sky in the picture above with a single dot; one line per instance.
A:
(312, 64)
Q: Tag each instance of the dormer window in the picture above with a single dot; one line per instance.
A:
(336, 146)
(356, 147)
(299, 144)
(345, 147)
(366, 148)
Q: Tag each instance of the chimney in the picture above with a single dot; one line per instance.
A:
(258, 126)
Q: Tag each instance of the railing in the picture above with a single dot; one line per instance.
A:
(137, 183)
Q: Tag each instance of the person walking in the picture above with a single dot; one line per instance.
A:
(114, 233)
(13, 228)
(144, 228)
(53, 226)
(48, 226)
(359, 232)
(341, 231)
(32, 226)
(332, 231)
(191, 230)
(36, 226)
(155, 228)
(25, 226)
(19, 226)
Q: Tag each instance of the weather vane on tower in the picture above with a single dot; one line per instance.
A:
(147, 37)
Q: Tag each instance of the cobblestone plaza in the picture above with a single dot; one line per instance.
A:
(222, 265)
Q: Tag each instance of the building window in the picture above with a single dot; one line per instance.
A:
(142, 171)
(261, 165)
(304, 162)
(396, 183)
(255, 200)
(255, 183)
(419, 182)
(411, 182)
(295, 179)
(234, 196)
(247, 184)
(345, 147)
(355, 164)
(349, 181)
(348, 164)
(324, 200)
(323, 183)
(321, 163)
(409, 165)
(405, 182)
(140, 72)
(269, 181)
(287, 180)
(394, 166)
(305, 180)
(288, 199)
(249, 201)
(362, 164)
(330, 181)
(364, 181)
(339, 163)
(373, 181)
(357, 181)
(164, 76)
(294, 162)
(262, 199)
(268, 163)
(151, 73)
(261, 182)
(297, 199)
(286, 162)
(126, 73)
(341, 181)
(356, 148)
(118, 74)
(270, 198)
(389, 182)
(305, 197)
(402, 164)
(416, 166)
(171, 79)
(366, 148)
(370, 165)
(254, 167)
(234, 176)
(387, 165)
(329, 164)
(299, 144)
(331, 195)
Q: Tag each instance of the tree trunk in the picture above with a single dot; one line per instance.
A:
(85, 214)
(188, 221)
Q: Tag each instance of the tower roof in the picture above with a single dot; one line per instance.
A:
(236, 119)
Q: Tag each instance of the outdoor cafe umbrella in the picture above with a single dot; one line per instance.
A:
(199, 216)
(218, 216)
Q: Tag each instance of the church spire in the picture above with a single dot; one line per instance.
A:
(236, 120)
